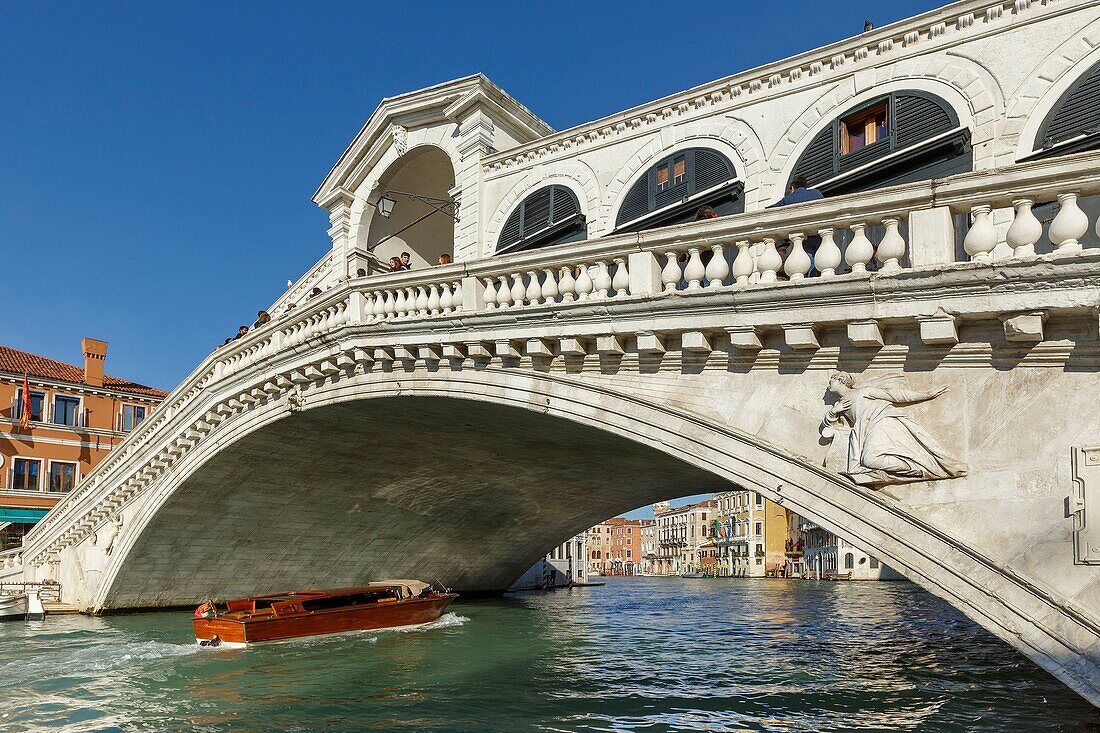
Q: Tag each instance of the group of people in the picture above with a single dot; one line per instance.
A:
(262, 317)
(404, 262)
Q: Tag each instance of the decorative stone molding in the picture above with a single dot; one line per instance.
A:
(885, 446)
(400, 139)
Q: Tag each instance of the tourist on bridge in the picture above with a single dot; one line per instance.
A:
(395, 264)
(798, 192)
(444, 259)
(261, 318)
(406, 261)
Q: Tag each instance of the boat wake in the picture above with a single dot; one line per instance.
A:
(446, 621)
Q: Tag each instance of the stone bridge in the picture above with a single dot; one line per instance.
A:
(452, 423)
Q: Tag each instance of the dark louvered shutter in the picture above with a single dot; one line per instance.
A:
(710, 170)
(1077, 111)
(919, 118)
(818, 162)
(536, 211)
(564, 205)
(512, 231)
(636, 202)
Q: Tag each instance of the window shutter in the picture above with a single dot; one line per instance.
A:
(710, 170)
(817, 163)
(1077, 111)
(537, 213)
(636, 202)
(919, 118)
(513, 229)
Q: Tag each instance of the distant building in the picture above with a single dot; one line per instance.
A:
(75, 416)
(752, 535)
(649, 547)
(563, 566)
(683, 537)
(615, 547)
(826, 555)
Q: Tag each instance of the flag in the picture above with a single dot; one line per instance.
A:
(26, 416)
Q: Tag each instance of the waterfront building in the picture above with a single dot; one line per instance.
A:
(829, 556)
(682, 536)
(75, 415)
(615, 547)
(649, 547)
(563, 566)
(752, 535)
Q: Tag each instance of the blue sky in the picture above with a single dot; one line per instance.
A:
(157, 160)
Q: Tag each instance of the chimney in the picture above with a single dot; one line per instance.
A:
(95, 353)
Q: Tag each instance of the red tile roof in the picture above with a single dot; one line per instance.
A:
(19, 362)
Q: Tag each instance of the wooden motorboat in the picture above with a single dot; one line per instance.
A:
(385, 604)
(14, 608)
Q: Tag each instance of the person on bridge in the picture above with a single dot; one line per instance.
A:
(395, 264)
(406, 261)
(444, 259)
(798, 192)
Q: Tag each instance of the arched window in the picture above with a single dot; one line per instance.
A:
(551, 215)
(848, 561)
(1073, 123)
(897, 138)
(674, 188)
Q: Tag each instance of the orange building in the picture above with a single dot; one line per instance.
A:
(615, 547)
(76, 416)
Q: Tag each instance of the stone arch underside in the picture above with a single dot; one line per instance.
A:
(468, 476)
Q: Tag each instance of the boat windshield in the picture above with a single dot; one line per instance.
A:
(350, 599)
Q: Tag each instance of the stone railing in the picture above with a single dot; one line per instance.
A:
(902, 228)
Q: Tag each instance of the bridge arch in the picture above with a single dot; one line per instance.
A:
(252, 531)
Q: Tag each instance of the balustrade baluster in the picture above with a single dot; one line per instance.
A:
(602, 282)
(1025, 230)
(533, 294)
(379, 305)
(421, 301)
(694, 272)
(399, 303)
(410, 301)
(770, 261)
(518, 291)
(391, 305)
(798, 262)
(717, 268)
(621, 281)
(584, 282)
(670, 274)
(1069, 225)
(434, 303)
(567, 285)
(490, 293)
(445, 302)
(549, 287)
(456, 296)
(892, 247)
(743, 265)
(827, 258)
(859, 251)
(504, 292)
(982, 237)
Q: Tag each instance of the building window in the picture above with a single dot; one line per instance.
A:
(628, 554)
(673, 189)
(62, 476)
(132, 415)
(864, 128)
(759, 528)
(759, 501)
(551, 215)
(25, 473)
(848, 561)
(874, 563)
(38, 399)
(66, 410)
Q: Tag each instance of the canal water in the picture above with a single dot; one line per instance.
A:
(638, 654)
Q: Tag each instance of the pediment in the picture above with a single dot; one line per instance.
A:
(450, 102)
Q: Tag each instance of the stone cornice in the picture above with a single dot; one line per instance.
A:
(79, 388)
(943, 26)
(442, 101)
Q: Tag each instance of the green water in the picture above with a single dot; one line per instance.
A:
(639, 654)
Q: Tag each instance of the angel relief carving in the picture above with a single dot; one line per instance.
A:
(885, 446)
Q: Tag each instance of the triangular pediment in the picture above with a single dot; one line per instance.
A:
(451, 101)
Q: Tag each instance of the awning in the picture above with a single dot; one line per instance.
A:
(21, 516)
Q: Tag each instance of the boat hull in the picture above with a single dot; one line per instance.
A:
(13, 608)
(237, 632)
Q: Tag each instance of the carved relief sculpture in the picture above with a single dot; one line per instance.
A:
(400, 138)
(112, 534)
(885, 446)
